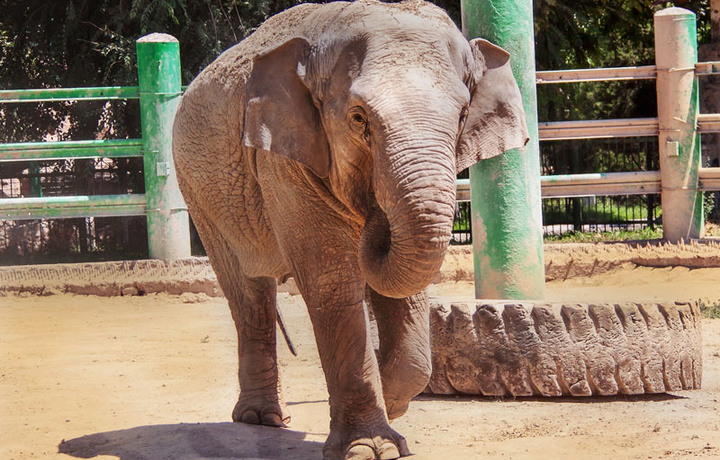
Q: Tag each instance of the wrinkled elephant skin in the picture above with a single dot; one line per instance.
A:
(325, 147)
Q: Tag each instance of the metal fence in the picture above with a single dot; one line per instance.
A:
(630, 167)
(71, 239)
(583, 195)
(598, 213)
(578, 197)
(39, 179)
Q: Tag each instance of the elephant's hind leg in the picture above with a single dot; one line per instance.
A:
(254, 312)
(404, 355)
(252, 303)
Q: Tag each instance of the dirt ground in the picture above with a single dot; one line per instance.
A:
(153, 377)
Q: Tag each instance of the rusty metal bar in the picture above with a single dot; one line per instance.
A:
(69, 94)
(597, 129)
(586, 75)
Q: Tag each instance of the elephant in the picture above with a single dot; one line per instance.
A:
(325, 146)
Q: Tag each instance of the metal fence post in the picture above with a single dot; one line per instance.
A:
(679, 140)
(160, 90)
(505, 191)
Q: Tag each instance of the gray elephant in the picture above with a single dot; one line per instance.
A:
(325, 146)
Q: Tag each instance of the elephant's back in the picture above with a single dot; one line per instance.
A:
(234, 65)
(209, 122)
(213, 105)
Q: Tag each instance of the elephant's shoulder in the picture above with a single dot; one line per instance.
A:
(234, 65)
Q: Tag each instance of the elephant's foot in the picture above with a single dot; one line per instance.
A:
(364, 443)
(259, 411)
(397, 407)
(402, 383)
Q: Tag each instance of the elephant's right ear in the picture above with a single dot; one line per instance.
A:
(496, 119)
(280, 115)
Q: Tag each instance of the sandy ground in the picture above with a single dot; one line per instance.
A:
(153, 377)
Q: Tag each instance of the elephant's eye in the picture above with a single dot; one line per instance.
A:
(358, 120)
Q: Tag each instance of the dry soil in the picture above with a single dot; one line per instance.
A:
(153, 377)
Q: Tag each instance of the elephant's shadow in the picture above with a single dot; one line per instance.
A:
(195, 441)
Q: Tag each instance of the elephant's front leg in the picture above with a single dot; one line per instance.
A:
(359, 427)
(404, 355)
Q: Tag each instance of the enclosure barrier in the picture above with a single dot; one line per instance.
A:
(159, 94)
(678, 126)
(692, 177)
(621, 183)
(158, 91)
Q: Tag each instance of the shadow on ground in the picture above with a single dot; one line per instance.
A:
(196, 441)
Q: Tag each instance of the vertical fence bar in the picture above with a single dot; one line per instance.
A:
(679, 140)
(35, 182)
(159, 83)
(505, 191)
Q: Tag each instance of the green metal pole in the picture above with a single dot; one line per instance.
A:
(159, 84)
(678, 107)
(505, 190)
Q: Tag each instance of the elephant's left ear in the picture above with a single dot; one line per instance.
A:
(280, 115)
(496, 120)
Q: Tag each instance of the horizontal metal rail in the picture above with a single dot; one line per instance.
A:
(709, 179)
(623, 183)
(73, 206)
(707, 68)
(597, 129)
(562, 186)
(709, 123)
(622, 127)
(647, 72)
(586, 75)
(577, 185)
(106, 148)
(463, 190)
(69, 94)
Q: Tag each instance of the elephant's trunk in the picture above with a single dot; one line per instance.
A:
(409, 226)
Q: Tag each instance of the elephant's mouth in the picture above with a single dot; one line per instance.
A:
(376, 236)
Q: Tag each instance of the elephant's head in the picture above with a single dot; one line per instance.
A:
(388, 103)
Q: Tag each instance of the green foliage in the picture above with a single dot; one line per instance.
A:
(605, 210)
(594, 34)
(710, 309)
(708, 203)
(646, 233)
(92, 43)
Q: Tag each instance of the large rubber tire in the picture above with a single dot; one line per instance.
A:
(505, 349)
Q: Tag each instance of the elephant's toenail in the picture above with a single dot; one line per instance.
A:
(360, 452)
(250, 417)
(273, 420)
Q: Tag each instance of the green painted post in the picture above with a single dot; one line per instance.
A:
(505, 190)
(678, 106)
(159, 84)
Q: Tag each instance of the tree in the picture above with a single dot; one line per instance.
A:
(92, 43)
